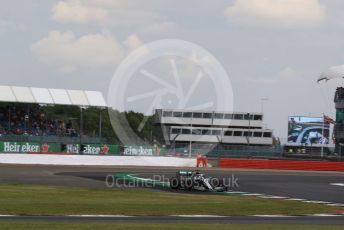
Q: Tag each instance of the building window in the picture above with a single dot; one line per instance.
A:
(186, 131)
(237, 133)
(176, 131)
(196, 132)
(206, 132)
(257, 134)
(258, 117)
(228, 133)
(267, 134)
(197, 115)
(247, 134)
(216, 132)
(187, 114)
(228, 116)
(177, 114)
(238, 116)
(207, 115)
(218, 115)
(167, 114)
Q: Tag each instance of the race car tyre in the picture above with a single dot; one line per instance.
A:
(220, 184)
(214, 182)
(189, 185)
(174, 183)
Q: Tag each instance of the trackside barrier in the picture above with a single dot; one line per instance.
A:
(281, 164)
(50, 159)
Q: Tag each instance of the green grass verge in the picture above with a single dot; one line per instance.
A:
(53, 200)
(49, 225)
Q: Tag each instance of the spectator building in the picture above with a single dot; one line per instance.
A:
(185, 127)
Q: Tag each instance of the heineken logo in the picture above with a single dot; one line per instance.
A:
(14, 147)
(45, 148)
(105, 149)
(88, 149)
(137, 151)
(95, 150)
(58, 148)
(72, 148)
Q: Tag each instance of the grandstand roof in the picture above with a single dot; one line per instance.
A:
(51, 96)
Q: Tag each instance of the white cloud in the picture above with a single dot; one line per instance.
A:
(68, 52)
(133, 42)
(279, 13)
(109, 13)
(76, 11)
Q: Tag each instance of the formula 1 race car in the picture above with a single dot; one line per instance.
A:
(194, 180)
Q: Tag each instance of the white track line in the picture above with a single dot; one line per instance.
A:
(325, 215)
(264, 196)
(316, 202)
(199, 216)
(252, 194)
(100, 216)
(335, 204)
(295, 199)
(273, 197)
(273, 216)
(338, 184)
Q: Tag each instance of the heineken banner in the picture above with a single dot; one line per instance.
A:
(87, 149)
(29, 147)
(53, 148)
(143, 151)
(93, 149)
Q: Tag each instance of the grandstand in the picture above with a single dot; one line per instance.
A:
(18, 119)
(27, 117)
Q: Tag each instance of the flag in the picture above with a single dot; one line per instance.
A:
(328, 120)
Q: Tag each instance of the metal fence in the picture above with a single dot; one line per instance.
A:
(235, 151)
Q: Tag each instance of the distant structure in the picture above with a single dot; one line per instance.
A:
(339, 125)
(337, 72)
(214, 127)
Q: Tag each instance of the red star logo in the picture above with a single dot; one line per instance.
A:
(105, 149)
(45, 148)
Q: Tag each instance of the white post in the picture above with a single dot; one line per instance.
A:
(249, 128)
(190, 147)
(322, 144)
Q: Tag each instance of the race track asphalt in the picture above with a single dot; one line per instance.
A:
(314, 220)
(292, 184)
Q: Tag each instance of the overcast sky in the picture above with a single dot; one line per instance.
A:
(271, 49)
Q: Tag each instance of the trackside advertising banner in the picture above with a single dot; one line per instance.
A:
(32, 147)
(93, 149)
(87, 149)
(129, 150)
(28, 147)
